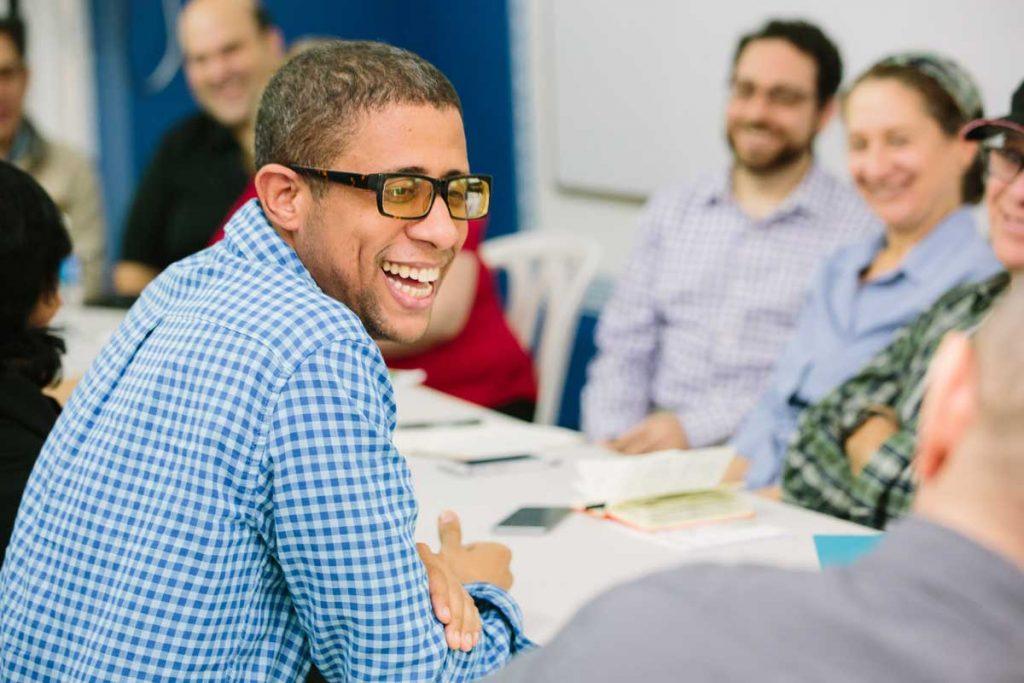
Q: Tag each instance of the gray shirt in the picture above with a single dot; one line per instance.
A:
(927, 605)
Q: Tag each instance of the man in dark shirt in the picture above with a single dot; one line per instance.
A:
(203, 163)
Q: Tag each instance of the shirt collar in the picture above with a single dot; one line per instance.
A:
(249, 234)
(810, 196)
(929, 257)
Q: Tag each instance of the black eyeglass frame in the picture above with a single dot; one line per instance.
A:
(376, 182)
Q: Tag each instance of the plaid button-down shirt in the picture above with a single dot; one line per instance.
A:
(221, 500)
(817, 472)
(707, 301)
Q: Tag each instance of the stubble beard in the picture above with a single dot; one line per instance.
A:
(333, 281)
(788, 155)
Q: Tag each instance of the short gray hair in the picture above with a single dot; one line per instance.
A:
(311, 105)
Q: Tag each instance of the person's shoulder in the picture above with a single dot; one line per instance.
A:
(62, 154)
(192, 133)
(840, 197)
(698, 584)
(671, 203)
(680, 191)
(978, 259)
(981, 293)
(856, 252)
(261, 304)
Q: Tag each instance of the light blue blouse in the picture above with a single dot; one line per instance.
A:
(845, 322)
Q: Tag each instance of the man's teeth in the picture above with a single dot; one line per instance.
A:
(425, 275)
(417, 292)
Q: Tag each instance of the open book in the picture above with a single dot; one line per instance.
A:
(664, 490)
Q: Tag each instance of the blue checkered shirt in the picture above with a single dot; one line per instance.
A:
(221, 499)
(707, 301)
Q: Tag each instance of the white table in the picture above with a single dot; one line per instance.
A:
(557, 573)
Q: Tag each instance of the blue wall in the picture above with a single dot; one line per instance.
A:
(468, 40)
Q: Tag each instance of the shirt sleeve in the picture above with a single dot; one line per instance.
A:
(144, 231)
(817, 471)
(885, 488)
(343, 519)
(713, 420)
(619, 380)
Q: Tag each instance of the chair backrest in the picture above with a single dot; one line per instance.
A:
(547, 276)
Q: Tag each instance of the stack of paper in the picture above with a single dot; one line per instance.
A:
(482, 440)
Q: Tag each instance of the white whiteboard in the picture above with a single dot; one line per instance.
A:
(640, 86)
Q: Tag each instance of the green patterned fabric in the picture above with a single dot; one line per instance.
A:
(817, 473)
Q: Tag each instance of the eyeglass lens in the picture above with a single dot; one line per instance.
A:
(411, 197)
(1004, 163)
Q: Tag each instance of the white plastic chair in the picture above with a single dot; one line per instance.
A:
(547, 276)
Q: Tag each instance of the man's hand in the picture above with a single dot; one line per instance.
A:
(657, 432)
(736, 472)
(454, 565)
(867, 439)
(453, 606)
(484, 562)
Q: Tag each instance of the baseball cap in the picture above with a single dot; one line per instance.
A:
(1014, 121)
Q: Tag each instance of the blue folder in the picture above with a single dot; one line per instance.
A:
(843, 550)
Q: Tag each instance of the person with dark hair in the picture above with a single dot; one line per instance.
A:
(712, 291)
(221, 499)
(852, 453)
(33, 242)
(66, 175)
(940, 598)
(903, 118)
(203, 163)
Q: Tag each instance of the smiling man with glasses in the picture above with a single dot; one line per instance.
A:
(221, 499)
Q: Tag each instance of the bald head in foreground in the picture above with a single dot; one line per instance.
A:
(941, 599)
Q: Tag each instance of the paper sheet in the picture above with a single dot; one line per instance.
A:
(483, 440)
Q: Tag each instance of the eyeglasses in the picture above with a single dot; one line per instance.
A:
(410, 196)
(777, 96)
(1004, 163)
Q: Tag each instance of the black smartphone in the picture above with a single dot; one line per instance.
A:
(532, 520)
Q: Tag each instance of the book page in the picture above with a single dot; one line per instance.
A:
(614, 480)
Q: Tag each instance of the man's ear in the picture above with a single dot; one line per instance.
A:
(825, 114)
(275, 43)
(950, 405)
(967, 153)
(286, 199)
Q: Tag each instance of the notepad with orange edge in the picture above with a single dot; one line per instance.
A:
(666, 490)
(681, 511)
